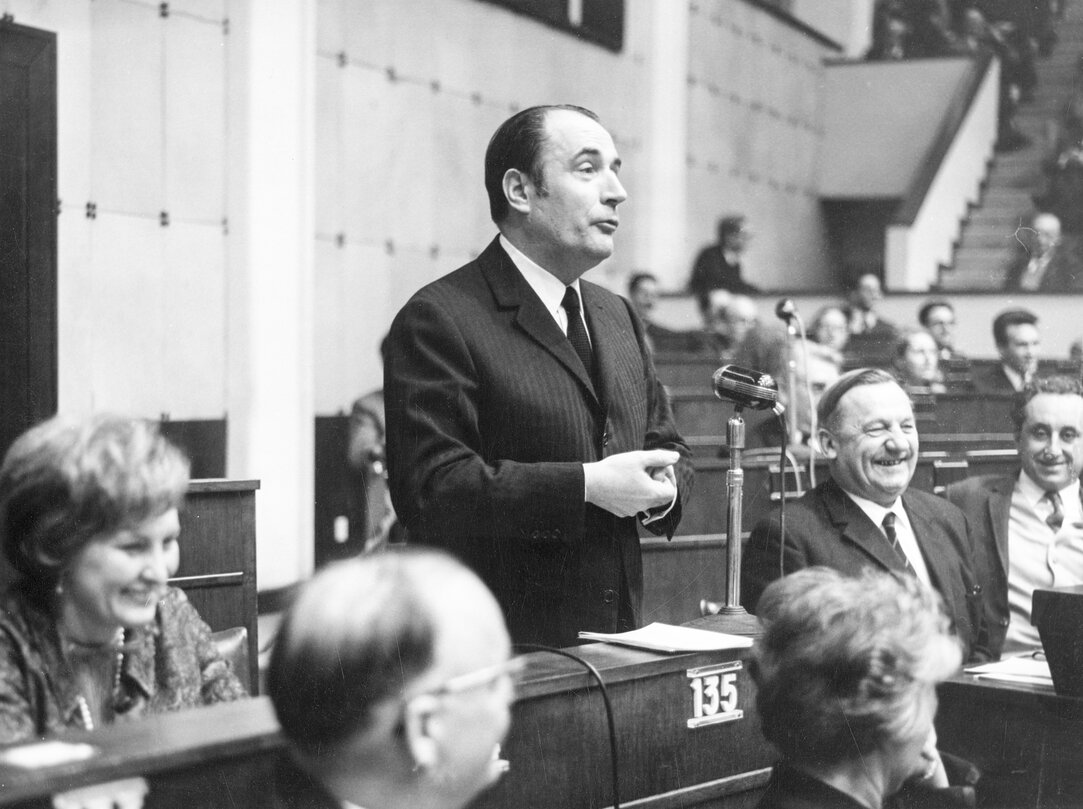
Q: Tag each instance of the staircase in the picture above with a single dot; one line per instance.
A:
(989, 236)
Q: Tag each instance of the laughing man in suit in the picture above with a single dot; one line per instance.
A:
(864, 516)
(1030, 523)
(526, 432)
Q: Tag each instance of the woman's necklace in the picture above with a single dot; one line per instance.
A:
(117, 645)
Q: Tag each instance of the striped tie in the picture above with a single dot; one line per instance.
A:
(893, 538)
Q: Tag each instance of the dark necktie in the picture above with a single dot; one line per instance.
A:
(893, 538)
(577, 332)
(1056, 519)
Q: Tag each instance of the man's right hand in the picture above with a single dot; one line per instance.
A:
(628, 483)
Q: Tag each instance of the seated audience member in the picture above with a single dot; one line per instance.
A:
(866, 514)
(830, 328)
(812, 378)
(391, 679)
(1043, 261)
(938, 318)
(846, 675)
(643, 293)
(872, 337)
(1029, 525)
(737, 336)
(917, 362)
(1015, 332)
(90, 632)
(718, 266)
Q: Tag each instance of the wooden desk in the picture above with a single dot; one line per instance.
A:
(1027, 741)
(218, 557)
(558, 746)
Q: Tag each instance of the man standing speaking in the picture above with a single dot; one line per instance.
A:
(526, 429)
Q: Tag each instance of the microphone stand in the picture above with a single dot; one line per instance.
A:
(791, 378)
(731, 616)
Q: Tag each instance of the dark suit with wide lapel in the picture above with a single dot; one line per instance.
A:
(987, 503)
(992, 379)
(825, 527)
(490, 416)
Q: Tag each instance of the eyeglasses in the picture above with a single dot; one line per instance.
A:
(485, 677)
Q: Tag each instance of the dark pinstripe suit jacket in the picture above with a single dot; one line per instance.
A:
(490, 417)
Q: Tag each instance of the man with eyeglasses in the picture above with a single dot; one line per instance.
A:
(391, 678)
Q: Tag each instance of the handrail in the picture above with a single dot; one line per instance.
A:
(965, 94)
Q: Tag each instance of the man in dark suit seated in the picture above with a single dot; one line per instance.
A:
(527, 431)
(718, 266)
(938, 318)
(643, 293)
(1044, 260)
(865, 515)
(1030, 524)
(872, 337)
(392, 680)
(1019, 343)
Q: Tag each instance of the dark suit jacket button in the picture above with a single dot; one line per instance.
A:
(605, 439)
(609, 596)
(558, 534)
(976, 589)
(1003, 621)
(535, 535)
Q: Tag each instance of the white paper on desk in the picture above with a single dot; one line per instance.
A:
(1022, 669)
(46, 754)
(668, 638)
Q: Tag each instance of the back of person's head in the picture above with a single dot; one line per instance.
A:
(1008, 318)
(846, 665)
(1057, 384)
(517, 144)
(67, 481)
(829, 402)
(365, 665)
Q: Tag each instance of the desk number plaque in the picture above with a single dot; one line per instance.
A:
(714, 694)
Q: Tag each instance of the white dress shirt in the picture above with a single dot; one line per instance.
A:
(904, 532)
(1038, 557)
(546, 286)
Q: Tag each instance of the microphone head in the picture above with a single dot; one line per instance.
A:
(745, 387)
(786, 309)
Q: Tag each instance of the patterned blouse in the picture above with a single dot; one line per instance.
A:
(168, 665)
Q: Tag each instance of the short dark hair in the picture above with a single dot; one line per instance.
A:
(923, 312)
(517, 144)
(638, 278)
(1058, 384)
(728, 225)
(354, 635)
(829, 402)
(1009, 318)
(67, 481)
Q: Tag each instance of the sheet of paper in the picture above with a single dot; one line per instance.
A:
(668, 638)
(46, 754)
(1025, 669)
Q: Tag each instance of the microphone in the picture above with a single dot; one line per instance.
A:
(786, 310)
(746, 388)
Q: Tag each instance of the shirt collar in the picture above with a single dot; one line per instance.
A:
(545, 285)
(875, 511)
(1034, 494)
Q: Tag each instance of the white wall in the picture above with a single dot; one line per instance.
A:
(319, 160)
